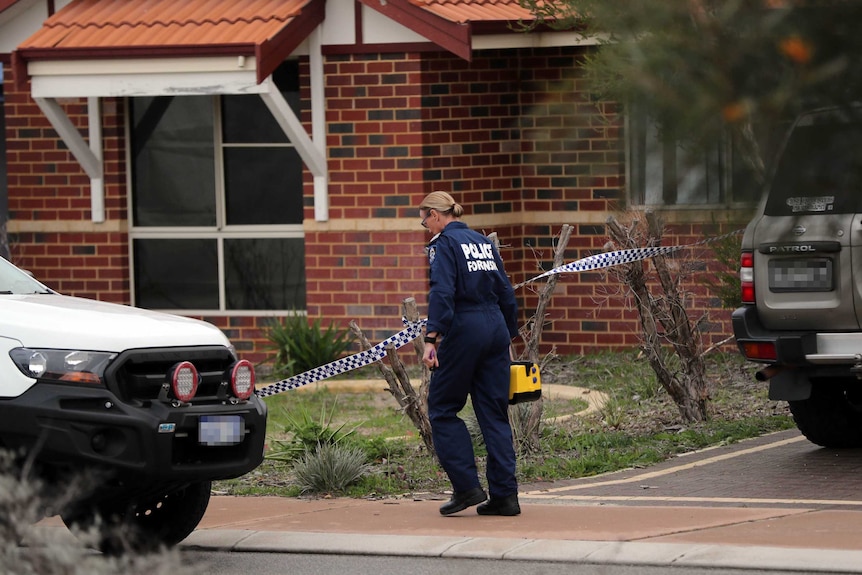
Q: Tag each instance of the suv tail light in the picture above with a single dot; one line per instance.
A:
(746, 276)
(184, 381)
(242, 379)
(759, 350)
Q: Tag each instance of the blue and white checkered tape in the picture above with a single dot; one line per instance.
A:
(345, 364)
(414, 329)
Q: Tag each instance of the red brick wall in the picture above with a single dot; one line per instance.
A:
(47, 187)
(507, 135)
(511, 134)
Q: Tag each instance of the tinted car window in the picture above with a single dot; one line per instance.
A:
(820, 170)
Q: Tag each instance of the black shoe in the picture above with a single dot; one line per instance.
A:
(500, 506)
(461, 501)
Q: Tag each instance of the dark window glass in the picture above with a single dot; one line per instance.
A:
(173, 161)
(263, 186)
(745, 185)
(176, 273)
(669, 172)
(265, 273)
(247, 120)
(820, 171)
(665, 172)
(174, 157)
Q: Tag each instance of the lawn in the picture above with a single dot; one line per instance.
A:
(638, 425)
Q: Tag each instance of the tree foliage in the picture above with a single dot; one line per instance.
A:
(706, 68)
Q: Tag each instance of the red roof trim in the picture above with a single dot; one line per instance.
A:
(272, 52)
(455, 37)
(4, 4)
(118, 52)
(404, 47)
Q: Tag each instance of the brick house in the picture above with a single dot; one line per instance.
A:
(239, 167)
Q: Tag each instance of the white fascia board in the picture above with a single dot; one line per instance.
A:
(130, 78)
(534, 40)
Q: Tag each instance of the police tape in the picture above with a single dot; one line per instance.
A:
(619, 257)
(413, 330)
(343, 365)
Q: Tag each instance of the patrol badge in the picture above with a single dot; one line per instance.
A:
(432, 252)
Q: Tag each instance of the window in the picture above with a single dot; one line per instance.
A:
(670, 173)
(217, 203)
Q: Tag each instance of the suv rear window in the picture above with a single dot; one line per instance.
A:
(820, 170)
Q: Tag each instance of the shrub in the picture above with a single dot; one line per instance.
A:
(50, 550)
(330, 468)
(307, 433)
(300, 345)
(724, 283)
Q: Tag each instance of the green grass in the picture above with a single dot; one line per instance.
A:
(638, 426)
(583, 454)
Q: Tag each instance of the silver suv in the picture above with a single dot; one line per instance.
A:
(800, 272)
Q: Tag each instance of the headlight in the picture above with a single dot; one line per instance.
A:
(67, 365)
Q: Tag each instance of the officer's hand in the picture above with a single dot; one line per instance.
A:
(429, 357)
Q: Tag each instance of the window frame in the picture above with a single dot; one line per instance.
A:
(221, 231)
(725, 179)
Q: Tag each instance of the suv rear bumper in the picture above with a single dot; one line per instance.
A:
(798, 348)
(790, 347)
(148, 442)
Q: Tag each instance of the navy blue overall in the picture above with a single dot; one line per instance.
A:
(471, 304)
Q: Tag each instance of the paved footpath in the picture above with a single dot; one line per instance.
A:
(747, 505)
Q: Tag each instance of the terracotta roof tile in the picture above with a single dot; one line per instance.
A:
(267, 29)
(154, 23)
(463, 11)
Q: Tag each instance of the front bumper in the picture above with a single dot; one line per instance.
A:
(78, 427)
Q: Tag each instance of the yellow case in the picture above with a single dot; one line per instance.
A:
(525, 382)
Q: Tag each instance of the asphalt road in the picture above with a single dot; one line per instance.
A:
(778, 470)
(218, 563)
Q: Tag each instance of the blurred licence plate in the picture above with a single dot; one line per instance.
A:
(217, 430)
(813, 274)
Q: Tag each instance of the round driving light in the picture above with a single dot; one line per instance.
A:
(184, 381)
(242, 379)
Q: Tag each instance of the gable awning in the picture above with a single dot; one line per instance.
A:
(263, 30)
(451, 23)
(125, 48)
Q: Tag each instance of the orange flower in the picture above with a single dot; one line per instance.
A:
(796, 49)
(734, 112)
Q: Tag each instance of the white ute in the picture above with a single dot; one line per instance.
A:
(154, 406)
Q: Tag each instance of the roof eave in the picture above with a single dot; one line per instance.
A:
(453, 36)
(122, 52)
(268, 53)
(272, 52)
(22, 56)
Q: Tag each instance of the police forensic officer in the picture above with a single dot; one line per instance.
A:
(472, 318)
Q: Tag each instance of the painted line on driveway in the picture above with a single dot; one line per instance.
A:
(533, 495)
(670, 470)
